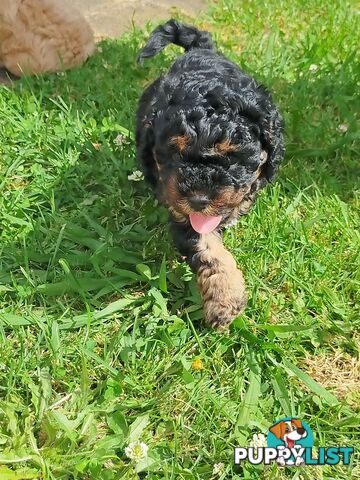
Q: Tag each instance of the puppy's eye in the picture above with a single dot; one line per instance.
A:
(287, 430)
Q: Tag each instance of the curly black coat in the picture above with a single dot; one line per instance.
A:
(208, 135)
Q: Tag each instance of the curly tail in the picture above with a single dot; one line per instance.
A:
(178, 33)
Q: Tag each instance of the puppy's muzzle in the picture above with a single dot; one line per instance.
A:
(198, 202)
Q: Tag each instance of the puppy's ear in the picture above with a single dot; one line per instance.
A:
(145, 152)
(268, 126)
(272, 139)
(145, 137)
(277, 430)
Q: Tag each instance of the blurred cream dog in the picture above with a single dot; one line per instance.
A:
(38, 36)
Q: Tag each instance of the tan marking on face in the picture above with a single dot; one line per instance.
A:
(171, 192)
(229, 197)
(177, 205)
(174, 200)
(177, 216)
(221, 284)
(225, 147)
(180, 142)
(228, 200)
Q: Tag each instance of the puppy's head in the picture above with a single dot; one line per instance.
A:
(209, 163)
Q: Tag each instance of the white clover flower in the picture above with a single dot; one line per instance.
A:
(313, 67)
(258, 440)
(119, 140)
(136, 176)
(136, 451)
(343, 127)
(218, 469)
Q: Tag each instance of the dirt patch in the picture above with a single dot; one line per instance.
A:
(337, 371)
(111, 18)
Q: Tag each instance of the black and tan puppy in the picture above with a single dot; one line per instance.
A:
(208, 139)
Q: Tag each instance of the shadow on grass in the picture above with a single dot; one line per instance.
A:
(321, 130)
(91, 218)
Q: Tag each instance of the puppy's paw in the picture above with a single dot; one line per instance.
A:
(224, 296)
(221, 284)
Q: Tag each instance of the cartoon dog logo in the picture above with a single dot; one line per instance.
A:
(289, 432)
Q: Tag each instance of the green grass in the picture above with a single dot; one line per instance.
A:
(100, 321)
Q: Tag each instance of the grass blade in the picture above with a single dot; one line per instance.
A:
(281, 393)
(162, 275)
(251, 396)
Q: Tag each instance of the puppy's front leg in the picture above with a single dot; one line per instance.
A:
(220, 282)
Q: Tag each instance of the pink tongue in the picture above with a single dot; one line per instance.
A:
(204, 223)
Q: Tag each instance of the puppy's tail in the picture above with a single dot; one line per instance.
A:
(173, 31)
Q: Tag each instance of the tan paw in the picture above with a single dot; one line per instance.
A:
(224, 297)
(221, 283)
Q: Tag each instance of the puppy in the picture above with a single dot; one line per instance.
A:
(208, 138)
(38, 36)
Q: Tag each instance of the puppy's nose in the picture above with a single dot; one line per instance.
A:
(301, 431)
(199, 202)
